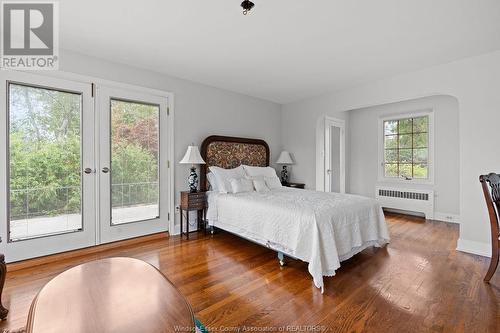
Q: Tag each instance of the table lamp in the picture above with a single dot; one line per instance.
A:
(192, 157)
(284, 159)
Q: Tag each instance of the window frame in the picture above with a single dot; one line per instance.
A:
(381, 148)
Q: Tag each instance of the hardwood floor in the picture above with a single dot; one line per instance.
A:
(419, 283)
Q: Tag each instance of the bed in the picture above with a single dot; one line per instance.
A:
(322, 229)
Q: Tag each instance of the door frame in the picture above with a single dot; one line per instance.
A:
(108, 232)
(92, 82)
(170, 174)
(329, 123)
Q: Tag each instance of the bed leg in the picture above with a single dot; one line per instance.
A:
(211, 229)
(281, 258)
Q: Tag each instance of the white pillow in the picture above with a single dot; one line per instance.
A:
(241, 185)
(253, 171)
(254, 178)
(213, 182)
(260, 185)
(273, 182)
(224, 176)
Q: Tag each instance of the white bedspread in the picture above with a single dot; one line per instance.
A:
(320, 228)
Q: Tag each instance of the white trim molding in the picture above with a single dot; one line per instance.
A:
(447, 217)
(473, 247)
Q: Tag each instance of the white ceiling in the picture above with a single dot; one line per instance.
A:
(285, 50)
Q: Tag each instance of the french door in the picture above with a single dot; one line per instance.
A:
(78, 169)
(47, 140)
(132, 161)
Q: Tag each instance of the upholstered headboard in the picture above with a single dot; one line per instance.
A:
(229, 152)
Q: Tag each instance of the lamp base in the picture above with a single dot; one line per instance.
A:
(284, 175)
(193, 180)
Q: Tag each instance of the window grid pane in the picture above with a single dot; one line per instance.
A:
(406, 148)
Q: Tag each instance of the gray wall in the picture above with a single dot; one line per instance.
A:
(200, 110)
(363, 133)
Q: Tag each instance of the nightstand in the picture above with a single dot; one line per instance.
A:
(193, 201)
(294, 185)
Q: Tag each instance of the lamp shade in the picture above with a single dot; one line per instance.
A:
(192, 156)
(285, 158)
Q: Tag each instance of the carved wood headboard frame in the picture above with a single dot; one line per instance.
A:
(229, 152)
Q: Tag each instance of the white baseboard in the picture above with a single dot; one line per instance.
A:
(447, 217)
(479, 248)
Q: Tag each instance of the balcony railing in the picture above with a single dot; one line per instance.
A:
(57, 200)
(133, 194)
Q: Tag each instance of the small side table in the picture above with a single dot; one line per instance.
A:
(193, 201)
(294, 185)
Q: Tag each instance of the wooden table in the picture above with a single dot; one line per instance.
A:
(110, 295)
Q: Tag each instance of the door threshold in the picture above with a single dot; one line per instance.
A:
(28, 263)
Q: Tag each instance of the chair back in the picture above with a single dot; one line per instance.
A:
(491, 190)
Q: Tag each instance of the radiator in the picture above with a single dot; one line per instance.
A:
(421, 201)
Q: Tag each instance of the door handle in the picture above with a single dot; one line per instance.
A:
(105, 170)
(88, 170)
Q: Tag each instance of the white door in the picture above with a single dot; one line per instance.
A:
(132, 163)
(48, 183)
(334, 155)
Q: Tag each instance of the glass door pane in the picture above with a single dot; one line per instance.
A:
(45, 159)
(134, 161)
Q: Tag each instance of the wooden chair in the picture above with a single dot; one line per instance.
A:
(492, 197)
(3, 273)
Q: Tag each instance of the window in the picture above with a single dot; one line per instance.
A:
(406, 146)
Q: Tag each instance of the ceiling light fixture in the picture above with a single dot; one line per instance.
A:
(247, 5)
